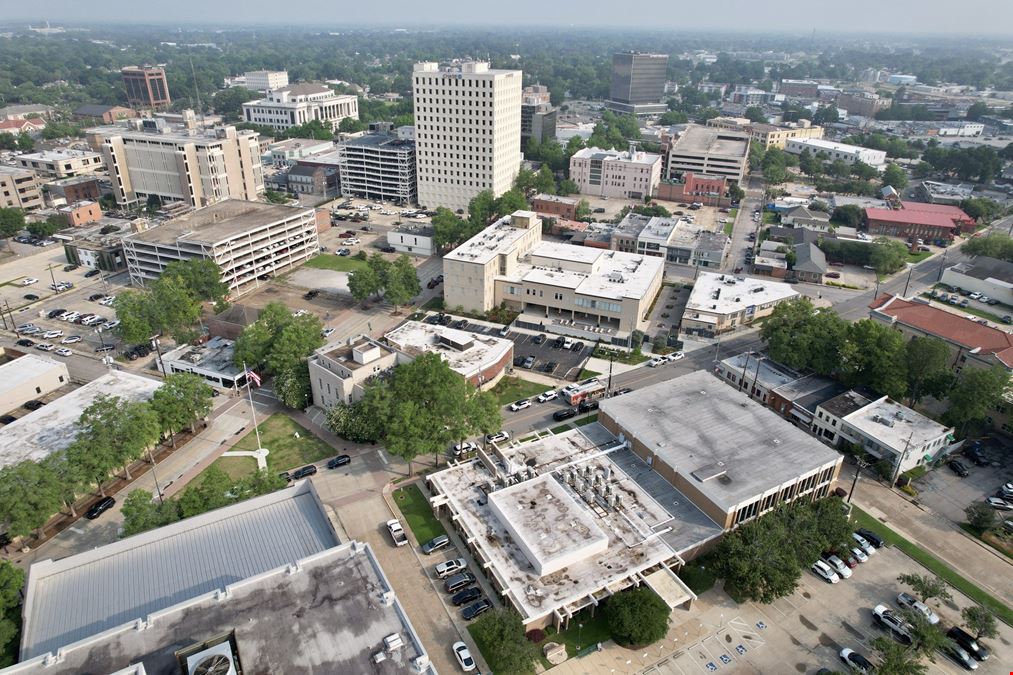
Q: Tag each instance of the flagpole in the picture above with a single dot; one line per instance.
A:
(253, 408)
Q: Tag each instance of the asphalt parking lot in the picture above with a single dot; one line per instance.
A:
(568, 363)
(947, 494)
(668, 310)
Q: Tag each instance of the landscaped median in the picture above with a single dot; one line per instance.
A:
(417, 513)
(513, 388)
(934, 565)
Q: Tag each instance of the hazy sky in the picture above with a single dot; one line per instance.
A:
(985, 17)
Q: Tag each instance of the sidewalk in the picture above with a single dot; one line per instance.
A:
(975, 561)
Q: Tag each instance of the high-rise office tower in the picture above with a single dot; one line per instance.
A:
(538, 117)
(467, 131)
(146, 86)
(638, 83)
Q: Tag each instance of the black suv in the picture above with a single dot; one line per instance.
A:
(586, 406)
(472, 611)
(34, 404)
(25, 342)
(308, 470)
(871, 537)
(100, 507)
(958, 468)
(340, 460)
(975, 454)
(967, 641)
(467, 595)
(7, 419)
(564, 414)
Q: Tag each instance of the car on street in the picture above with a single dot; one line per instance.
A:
(620, 392)
(498, 437)
(856, 661)
(999, 504)
(449, 568)
(547, 396)
(63, 351)
(25, 342)
(958, 468)
(464, 658)
(51, 334)
(472, 611)
(520, 405)
(823, 571)
(966, 641)
(34, 404)
(467, 595)
(70, 339)
(327, 332)
(95, 297)
(657, 361)
(863, 543)
(29, 281)
(564, 414)
(675, 356)
(31, 297)
(100, 507)
(92, 273)
(908, 601)
(893, 622)
(303, 472)
(340, 460)
(435, 544)
(587, 406)
(45, 346)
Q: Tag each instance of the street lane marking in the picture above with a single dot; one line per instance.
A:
(379, 453)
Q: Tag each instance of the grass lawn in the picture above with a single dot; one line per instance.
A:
(337, 263)
(561, 428)
(918, 257)
(576, 637)
(511, 389)
(433, 305)
(277, 433)
(586, 374)
(417, 512)
(629, 358)
(729, 227)
(934, 565)
(769, 218)
(916, 472)
(583, 421)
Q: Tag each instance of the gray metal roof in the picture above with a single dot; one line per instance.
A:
(82, 595)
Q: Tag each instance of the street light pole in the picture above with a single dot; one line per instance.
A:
(161, 363)
(858, 469)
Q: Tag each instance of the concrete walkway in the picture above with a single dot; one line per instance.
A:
(978, 563)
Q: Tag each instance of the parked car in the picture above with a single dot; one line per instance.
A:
(856, 661)
(528, 362)
(999, 504)
(520, 405)
(435, 544)
(833, 275)
(466, 595)
(25, 342)
(464, 658)
(967, 642)
(31, 297)
(63, 351)
(472, 611)
(464, 448)
(539, 339)
(340, 460)
(45, 346)
(586, 406)
(303, 472)
(859, 555)
(958, 654)
(34, 404)
(28, 281)
(458, 582)
(837, 565)
(893, 622)
(7, 419)
(100, 507)
(823, 571)
(871, 537)
(863, 543)
(656, 361)
(92, 273)
(104, 348)
(498, 437)
(908, 601)
(958, 468)
(449, 568)
(564, 414)
(51, 334)
(547, 396)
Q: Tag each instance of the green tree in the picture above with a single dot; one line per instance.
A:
(229, 102)
(775, 174)
(364, 282)
(801, 336)
(448, 228)
(174, 308)
(887, 255)
(68, 478)
(278, 339)
(297, 340)
(481, 209)
(863, 171)
(201, 277)
(848, 215)
(926, 586)
(545, 182)
(182, 399)
(976, 110)
(141, 513)
(25, 142)
(926, 639)
(980, 622)
(994, 245)
(757, 562)
(567, 187)
(8, 141)
(826, 114)
(213, 492)
(510, 201)
(928, 368)
(895, 177)
(292, 386)
(12, 580)
(673, 117)
(754, 113)
(980, 516)
(402, 282)
(874, 355)
(46, 228)
(275, 197)
(897, 659)
(978, 391)
(504, 647)
(133, 310)
(12, 221)
(29, 495)
(736, 193)
(583, 210)
(637, 617)
(351, 125)
(982, 209)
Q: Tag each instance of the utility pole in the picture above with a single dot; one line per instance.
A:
(910, 270)
(608, 387)
(900, 460)
(861, 464)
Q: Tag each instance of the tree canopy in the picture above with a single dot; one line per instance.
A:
(504, 646)
(278, 339)
(994, 245)
(637, 617)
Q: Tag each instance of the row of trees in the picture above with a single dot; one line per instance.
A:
(979, 163)
(450, 228)
(278, 344)
(141, 512)
(994, 245)
(171, 304)
(111, 434)
(874, 355)
(885, 255)
(396, 281)
(421, 408)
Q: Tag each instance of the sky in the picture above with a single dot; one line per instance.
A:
(967, 17)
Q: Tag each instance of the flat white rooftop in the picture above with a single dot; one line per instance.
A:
(727, 294)
(465, 352)
(53, 427)
(499, 238)
(615, 274)
(821, 144)
(17, 372)
(896, 426)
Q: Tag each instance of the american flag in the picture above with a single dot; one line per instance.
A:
(250, 375)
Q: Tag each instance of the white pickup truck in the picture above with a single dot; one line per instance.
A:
(397, 532)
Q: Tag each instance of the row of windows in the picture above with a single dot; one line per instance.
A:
(451, 80)
(604, 305)
(789, 493)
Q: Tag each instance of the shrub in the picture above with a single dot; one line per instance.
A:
(535, 635)
(637, 617)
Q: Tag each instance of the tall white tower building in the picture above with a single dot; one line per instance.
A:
(467, 131)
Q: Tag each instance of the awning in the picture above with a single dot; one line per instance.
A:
(669, 587)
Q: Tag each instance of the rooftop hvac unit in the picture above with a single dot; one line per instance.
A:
(613, 500)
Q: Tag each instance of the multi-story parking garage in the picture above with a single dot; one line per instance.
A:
(248, 241)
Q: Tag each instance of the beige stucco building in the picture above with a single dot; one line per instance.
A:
(632, 174)
(339, 370)
(467, 131)
(608, 293)
(721, 302)
(19, 189)
(61, 162)
(30, 377)
(772, 136)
